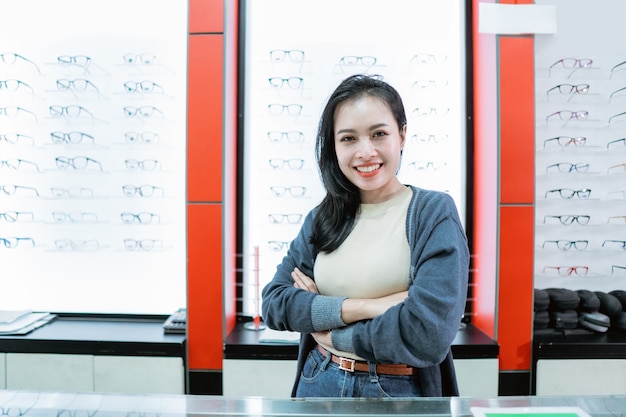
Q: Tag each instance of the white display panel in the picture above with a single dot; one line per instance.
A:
(295, 54)
(580, 207)
(92, 144)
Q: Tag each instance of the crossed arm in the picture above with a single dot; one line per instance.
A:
(352, 309)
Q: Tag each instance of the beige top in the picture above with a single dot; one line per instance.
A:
(374, 259)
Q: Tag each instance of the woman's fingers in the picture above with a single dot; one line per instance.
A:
(302, 281)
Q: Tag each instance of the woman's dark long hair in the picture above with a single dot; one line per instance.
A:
(336, 213)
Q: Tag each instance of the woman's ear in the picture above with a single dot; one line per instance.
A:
(402, 137)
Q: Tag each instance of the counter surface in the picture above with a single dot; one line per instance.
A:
(36, 404)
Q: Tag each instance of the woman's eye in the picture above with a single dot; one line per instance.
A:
(380, 134)
(346, 139)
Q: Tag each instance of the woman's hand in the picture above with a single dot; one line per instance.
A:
(302, 281)
(355, 309)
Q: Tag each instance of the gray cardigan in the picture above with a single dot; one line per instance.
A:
(419, 331)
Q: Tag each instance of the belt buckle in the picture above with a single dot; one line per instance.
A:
(349, 362)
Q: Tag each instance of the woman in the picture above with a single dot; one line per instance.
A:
(376, 279)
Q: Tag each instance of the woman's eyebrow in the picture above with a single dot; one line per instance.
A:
(373, 127)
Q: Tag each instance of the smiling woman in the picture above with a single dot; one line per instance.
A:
(376, 280)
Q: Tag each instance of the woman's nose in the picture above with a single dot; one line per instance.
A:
(366, 148)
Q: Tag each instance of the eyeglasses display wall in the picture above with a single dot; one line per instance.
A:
(92, 155)
(581, 149)
(295, 54)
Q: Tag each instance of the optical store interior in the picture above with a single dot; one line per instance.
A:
(158, 157)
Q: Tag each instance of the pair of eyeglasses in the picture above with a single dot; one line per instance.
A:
(292, 136)
(616, 168)
(78, 162)
(13, 242)
(11, 58)
(426, 59)
(566, 245)
(568, 115)
(142, 190)
(616, 143)
(616, 117)
(569, 193)
(146, 164)
(144, 58)
(352, 60)
(78, 84)
(15, 138)
(291, 109)
(78, 60)
(293, 55)
(291, 82)
(571, 63)
(566, 141)
(292, 163)
(76, 245)
(141, 137)
(277, 245)
(428, 84)
(145, 87)
(13, 216)
(431, 111)
(568, 219)
(79, 192)
(296, 191)
(14, 189)
(15, 85)
(72, 111)
(617, 268)
(428, 137)
(566, 271)
(18, 163)
(141, 218)
(291, 218)
(566, 167)
(569, 89)
(612, 242)
(15, 112)
(616, 219)
(143, 244)
(142, 112)
(426, 165)
(70, 137)
(74, 217)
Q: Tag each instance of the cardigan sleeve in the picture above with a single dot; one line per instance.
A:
(285, 307)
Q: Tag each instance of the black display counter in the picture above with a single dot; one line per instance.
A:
(579, 344)
(469, 343)
(99, 335)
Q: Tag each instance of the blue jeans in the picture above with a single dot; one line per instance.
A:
(322, 378)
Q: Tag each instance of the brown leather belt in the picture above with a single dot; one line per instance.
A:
(352, 365)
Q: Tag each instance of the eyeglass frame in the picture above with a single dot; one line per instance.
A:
(575, 218)
(583, 193)
(276, 190)
(570, 270)
(623, 242)
(271, 135)
(578, 63)
(577, 141)
(576, 115)
(566, 245)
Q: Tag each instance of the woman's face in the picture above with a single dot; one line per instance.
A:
(368, 143)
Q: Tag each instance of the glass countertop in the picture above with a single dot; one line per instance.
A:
(65, 404)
